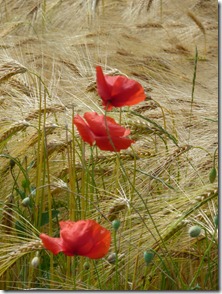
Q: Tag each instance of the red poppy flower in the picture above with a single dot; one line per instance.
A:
(118, 91)
(103, 130)
(84, 237)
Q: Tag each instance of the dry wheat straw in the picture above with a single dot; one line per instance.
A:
(51, 109)
(16, 252)
(197, 21)
(58, 147)
(13, 130)
(49, 129)
(6, 220)
(200, 26)
(114, 211)
(11, 27)
(10, 68)
(21, 86)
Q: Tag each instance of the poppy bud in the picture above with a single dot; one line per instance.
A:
(112, 258)
(194, 231)
(148, 256)
(86, 266)
(216, 220)
(25, 183)
(212, 175)
(116, 224)
(35, 262)
(26, 201)
(12, 163)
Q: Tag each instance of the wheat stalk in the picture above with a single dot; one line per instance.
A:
(13, 130)
(51, 109)
(9, 68)
(16, 252)
(200, 26)
(7, 211)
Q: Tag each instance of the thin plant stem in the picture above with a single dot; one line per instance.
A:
(97, 274)
(193, 87)
(116, 261)
(203, 259)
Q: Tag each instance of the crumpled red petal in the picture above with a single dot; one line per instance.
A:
(104, 143)
(99, 124)
(84, 237)
(55, 245)
(84, 130)
(103, 89)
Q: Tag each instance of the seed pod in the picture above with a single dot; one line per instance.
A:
(194, 231)
(212, 175)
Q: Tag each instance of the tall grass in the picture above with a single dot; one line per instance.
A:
(158, 189)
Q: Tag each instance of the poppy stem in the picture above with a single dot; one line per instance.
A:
(117, 261)
(71, 156)
(97, 274)
(83, 180)
(120, 116)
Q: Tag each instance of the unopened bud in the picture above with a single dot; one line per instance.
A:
(25, 183)
(112, 258)
(216, 220)
(148, 256)
(194, 231)
(86, 265)
(12, 163)
(26, 201)
(35, 261)
(116, 224)
(212, 175)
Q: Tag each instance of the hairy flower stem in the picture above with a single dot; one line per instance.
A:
(97, 274)
(116, 261)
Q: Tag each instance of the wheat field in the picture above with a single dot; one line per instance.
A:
(161, 187)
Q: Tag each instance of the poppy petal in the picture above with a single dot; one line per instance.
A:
(55, 245)
(100, 248)
(118, 143)
(84, 130)
(99, 124)
(84, 237)
(74, 235)
(115, 130)
(127, 92)
(99, 239)
(102, 87)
